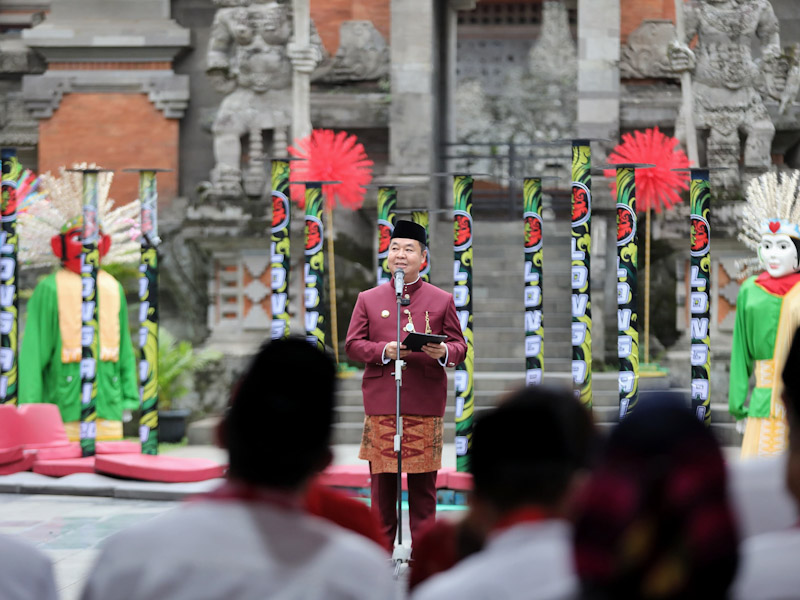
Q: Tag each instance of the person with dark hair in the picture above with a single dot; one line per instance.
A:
(372, 339)
(526, 455)
(769, 560)
(653, 520)
(253, 538)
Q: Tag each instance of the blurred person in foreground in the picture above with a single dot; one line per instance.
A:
(770, 560)
(253, 538)
(25, 573)
(653, 520)
(525, 457)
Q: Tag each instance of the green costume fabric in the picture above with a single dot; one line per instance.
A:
(45, 378)
(757, 316)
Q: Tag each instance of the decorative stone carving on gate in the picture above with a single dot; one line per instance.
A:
(730, 85)
(363, 55)
(250, 58)
(643, 56)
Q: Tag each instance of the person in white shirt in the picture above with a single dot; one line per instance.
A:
(252, 538)
(769, 561)
(525, 457)
(25, 573)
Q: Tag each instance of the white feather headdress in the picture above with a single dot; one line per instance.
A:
(62, 203)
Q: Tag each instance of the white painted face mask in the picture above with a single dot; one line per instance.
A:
(778, 254)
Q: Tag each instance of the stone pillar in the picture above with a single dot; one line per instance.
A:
(598, 68)
(412, 114)
(598, 117)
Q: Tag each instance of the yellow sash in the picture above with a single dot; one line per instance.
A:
(68, 286)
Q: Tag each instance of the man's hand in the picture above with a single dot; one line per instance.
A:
(435, 351)
(391, 351)
(304, 58)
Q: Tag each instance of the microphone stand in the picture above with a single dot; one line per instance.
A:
(401, 553)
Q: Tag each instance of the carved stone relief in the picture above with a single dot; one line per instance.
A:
(644, 55)
(362, 55)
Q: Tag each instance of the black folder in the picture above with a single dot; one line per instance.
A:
(415, 341)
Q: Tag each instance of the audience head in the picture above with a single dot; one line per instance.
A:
(791, 398)
(277, 429)
(653, 520)
(528, 450)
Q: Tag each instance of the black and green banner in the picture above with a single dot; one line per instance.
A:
(314, 266)
(462, 294)
(580, 273)
(532, 246)
(387, 205)
(627, 290)
(9, 294)
(148, 314)
(420, 217)
(280, 249)
(90, 263)
(700, 298)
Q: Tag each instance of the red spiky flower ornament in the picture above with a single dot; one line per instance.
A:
(660, 184)
(331, 156)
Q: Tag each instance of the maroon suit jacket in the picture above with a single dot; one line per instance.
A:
(424, 389)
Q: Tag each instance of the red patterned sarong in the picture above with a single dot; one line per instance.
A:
(422, 443)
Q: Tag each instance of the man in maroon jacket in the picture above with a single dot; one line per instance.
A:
(372, 339)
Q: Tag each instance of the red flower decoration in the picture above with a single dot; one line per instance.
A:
(331, 156)
(657, 185)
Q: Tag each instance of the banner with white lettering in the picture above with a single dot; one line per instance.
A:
(580, 280)
(533, 253)
(462, 294)
(279, 248)
(700, 296)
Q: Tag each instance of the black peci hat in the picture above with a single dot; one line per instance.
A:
(410, 230)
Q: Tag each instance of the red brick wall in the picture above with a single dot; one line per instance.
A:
(635, 11)
(329, 14)
(115, 131)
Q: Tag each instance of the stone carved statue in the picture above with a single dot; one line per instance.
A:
(729, 84)
(251, 59)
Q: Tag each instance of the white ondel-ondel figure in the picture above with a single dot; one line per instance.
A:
(767, 312)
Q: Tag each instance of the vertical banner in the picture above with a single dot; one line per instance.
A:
(534, 330)
(279, 248)
(420, 217)
(580, 279)
(627, 291)
(314, 266)
(700, 298)
(148, 314)
(90, 262)
(462, 294)
(9, 298)
(387, 204)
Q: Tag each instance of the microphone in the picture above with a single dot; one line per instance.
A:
(399, 275)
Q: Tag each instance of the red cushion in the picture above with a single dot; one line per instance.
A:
(23, 464)
(64, 466)
(120, 447)
(71, 450)
(10, 427)
(169, 469)
(345, 476)
(43, 427)
(459, 481)
(10, 455)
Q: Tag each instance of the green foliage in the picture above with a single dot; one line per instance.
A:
(177, 361)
